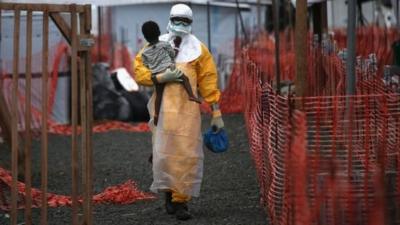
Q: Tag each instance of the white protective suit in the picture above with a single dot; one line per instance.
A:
(177, 140)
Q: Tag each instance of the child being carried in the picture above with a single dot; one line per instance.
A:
(159, 56)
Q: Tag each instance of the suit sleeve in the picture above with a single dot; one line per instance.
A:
(207, 77)
(142, 73)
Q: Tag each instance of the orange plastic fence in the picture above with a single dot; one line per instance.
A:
(334, 162)
(325, 71)
(125, 193)
(57, 60)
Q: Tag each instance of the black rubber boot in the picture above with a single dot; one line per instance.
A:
(169, 206)
(182, 211)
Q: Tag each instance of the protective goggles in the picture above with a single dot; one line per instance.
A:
(181, 21)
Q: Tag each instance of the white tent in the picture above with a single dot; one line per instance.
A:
(127, 2)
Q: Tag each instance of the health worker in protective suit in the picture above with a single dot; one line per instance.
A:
(177, 140)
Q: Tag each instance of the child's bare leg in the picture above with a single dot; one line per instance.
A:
(159, 93)
(188, 88)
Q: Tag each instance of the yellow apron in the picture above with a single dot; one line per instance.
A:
(177, 141)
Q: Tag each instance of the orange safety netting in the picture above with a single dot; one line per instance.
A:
(125, 193)
(337, 160)
(262, 52)
(58, 57)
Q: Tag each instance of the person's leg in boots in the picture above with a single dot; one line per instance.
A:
(180, 204)
(176, 203)
(169, 206)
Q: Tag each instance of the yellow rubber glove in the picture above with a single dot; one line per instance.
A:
(216, 120)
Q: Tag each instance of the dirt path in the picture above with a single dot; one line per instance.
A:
(229, 192)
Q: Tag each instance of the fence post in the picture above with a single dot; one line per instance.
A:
(74, 114)
(86, 112)
(44, 150)
(28, 116)
(275, 11)
(5, 119)
(14, 119)
(301, 49)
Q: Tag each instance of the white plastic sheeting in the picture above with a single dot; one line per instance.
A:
(123, 2)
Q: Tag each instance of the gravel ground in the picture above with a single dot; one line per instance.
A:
(229, 192)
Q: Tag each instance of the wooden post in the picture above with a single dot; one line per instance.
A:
(85, 98)
(14, 119)
(89, 121)
(5, 119)
(301, 48)
(39, 7)
(74, 105)
(28, 136)
(62, 25)
(82, 107)
(44, 138)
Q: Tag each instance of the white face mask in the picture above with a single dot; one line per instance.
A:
(179, 30)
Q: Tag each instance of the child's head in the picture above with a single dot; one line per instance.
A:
(151, 31)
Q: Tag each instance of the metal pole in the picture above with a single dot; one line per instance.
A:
(301, 48)
(259, 14)
(396, 2)
(350, 79)
(320, 19)
(208, 26)
(290, 15)
(332, 13)
(351, 47)
(241, 21)
(275, 4)
(99, 33)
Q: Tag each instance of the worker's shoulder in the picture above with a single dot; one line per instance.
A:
(196, 42)
(204, 49)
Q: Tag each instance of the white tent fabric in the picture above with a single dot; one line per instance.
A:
(123, 2)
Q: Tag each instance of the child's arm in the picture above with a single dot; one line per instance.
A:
(170, 50)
